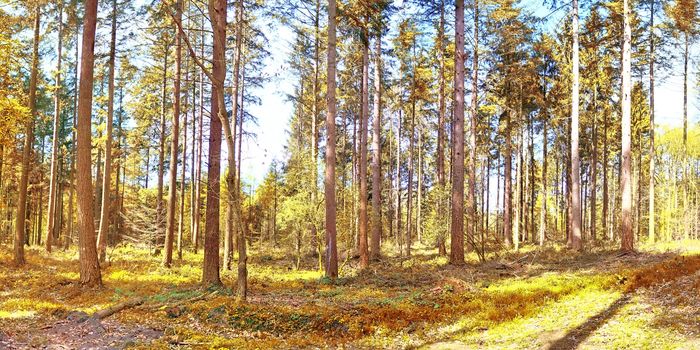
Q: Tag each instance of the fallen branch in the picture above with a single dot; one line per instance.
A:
(104, 313)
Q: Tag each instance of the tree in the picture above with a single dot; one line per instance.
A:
(89, 264)
(457, 234)
(56, 124)
(575, 171)
(107, 176)
(627, 238)
(377, 151)
(329, 180)
(172, 183)
(19, 259)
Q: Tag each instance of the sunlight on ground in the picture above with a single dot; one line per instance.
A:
(535, 298)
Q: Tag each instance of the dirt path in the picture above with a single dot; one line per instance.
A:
(79, 331)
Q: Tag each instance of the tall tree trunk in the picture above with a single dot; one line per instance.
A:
(20, 226)
(575, 174)
(175, 132)
(594, 165)
(181, 225)
(543, 214)
(508, 183)
(686, 226)
(376, 152)
(627, 239)
(442, 203)
(457, 234)
(89, 264)
(471, 227)
(50, 232)
(329, 180)
(106, 200)
(315, 132)
(604, 166)
(160, 234)
(364, 116)
(409, 186)
(198, 175)
(398, 180)
(652, 152)
(56, 124)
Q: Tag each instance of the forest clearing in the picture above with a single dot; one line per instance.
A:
(360, 174)
(536, 299)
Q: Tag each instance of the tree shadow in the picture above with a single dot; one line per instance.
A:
(578, 335)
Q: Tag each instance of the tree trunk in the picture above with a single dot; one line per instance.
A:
(594, 166)
(56, 124)
(89, 264)
(160, 234)
(175, 134)
(329, 180)
(364, 116)
(457, 234)
(106, 200)
(472, 226)
(507, 184)
(575, 174)
(652, 152)
(398, 181)
(627, 239)
(198, 175)
(20, 226)
(376, 153)
(543, 214)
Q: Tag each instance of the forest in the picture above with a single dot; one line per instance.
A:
(361, 174)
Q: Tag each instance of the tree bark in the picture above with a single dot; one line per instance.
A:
(627, 238)
(160, 233)
(575, 174)
(89, 264)
(508, 183)
(20, 226)
(376, 153)
(175, 132)
(457, 234)
(594, 166)
(364, 117)
(56, 124)
(472, 226)
(329, 180)
(652, 151)
(107, 176)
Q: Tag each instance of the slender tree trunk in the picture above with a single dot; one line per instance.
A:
(329, 180)
(106, 179)
(575, 174)
(398, 180)
(160, 235)
(457, 234)
(508, 184)
(181, 225)
(409, 186)
(20, 226)
(686, 226)
(627, 239)
(652, 151)
(315, 132)
(89, 264)
(175, 132)
(604, 166)
(364, 116)
(472, 226)
(594, 166)
(441, 202)
(376, 153)
(198, 175)
(56, 124)
(518, 192)
(543, 214)
(419, 204)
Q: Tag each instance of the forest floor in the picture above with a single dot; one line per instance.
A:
(537, 298)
